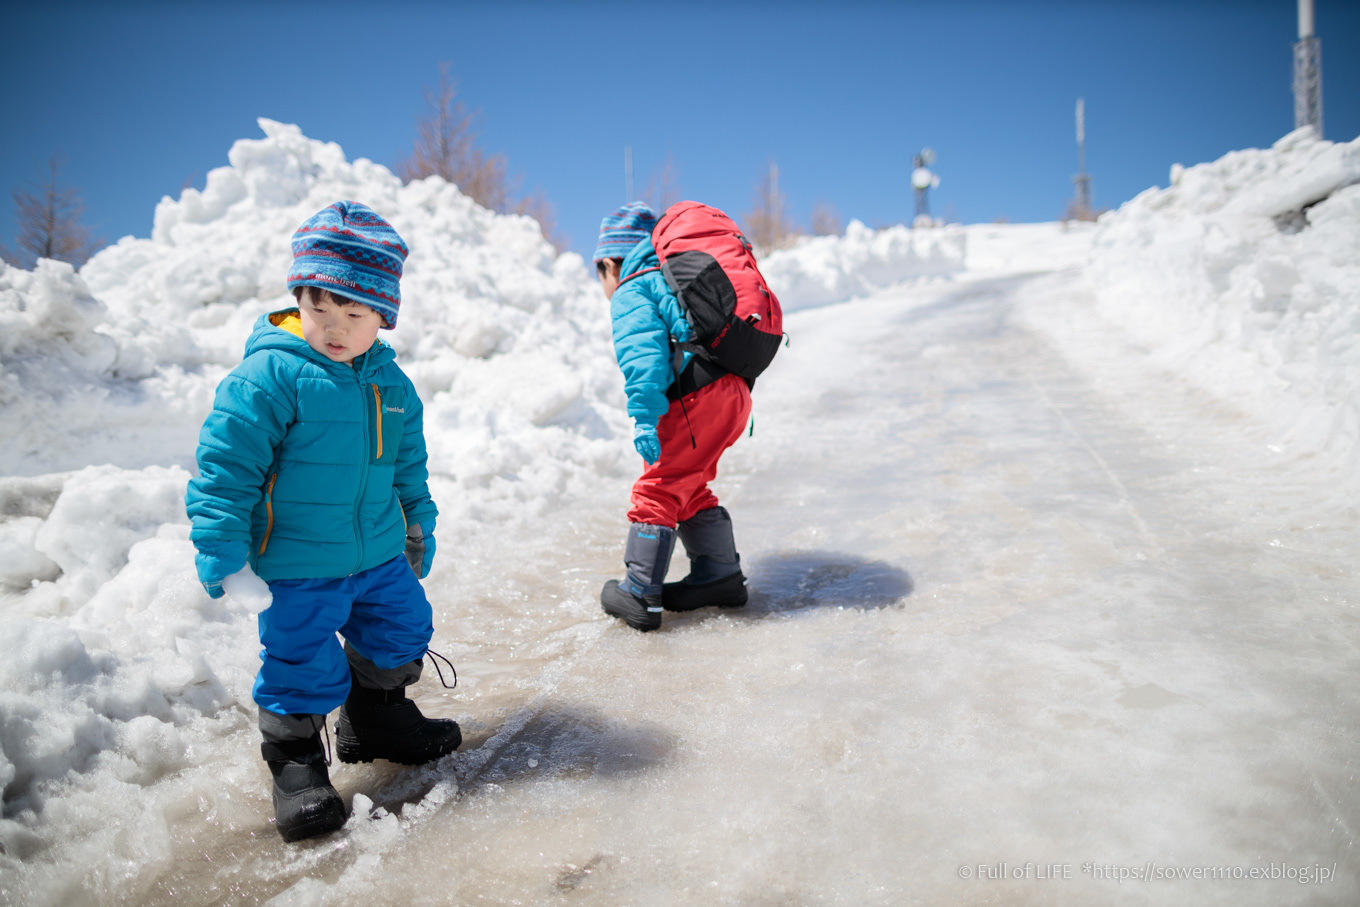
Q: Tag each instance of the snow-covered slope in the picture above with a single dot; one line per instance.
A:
(1244, 275)
(494, 325)
(120, 673)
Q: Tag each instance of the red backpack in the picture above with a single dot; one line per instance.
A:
(708, 264)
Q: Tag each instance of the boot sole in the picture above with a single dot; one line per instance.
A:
(671, 591)
(332, 819)
(351, 751)
(633, 614)
(314, 829)
(736, 604)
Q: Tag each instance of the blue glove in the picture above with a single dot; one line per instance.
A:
(646, 441)
(420, 547)
(216, 561)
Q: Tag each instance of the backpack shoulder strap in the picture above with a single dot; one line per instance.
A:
(637, 274)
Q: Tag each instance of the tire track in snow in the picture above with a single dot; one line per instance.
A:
(1121, 490)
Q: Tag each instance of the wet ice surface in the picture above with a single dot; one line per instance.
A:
(1005, 609)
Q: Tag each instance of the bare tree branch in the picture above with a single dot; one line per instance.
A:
(768, 225)
(49, 223)
(537, 206)
(825, 220)
(447, 146)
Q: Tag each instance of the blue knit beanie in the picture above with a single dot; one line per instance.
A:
(623, 229)
(350, 250)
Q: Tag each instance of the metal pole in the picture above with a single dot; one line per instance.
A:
(1081, 135)
(1082, 180)
(628, 175)
(1307, 73)
(922, 205)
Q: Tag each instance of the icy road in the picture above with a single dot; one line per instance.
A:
(1027, 626)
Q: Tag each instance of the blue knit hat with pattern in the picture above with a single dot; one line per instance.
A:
(623, 229)
(350, 250)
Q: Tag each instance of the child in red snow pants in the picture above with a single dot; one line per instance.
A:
(680, 440)
(675, 487)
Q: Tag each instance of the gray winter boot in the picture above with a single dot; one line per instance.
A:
(637, 600)
(715, 576)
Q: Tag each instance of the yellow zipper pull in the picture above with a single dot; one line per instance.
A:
(269, 513)
(377, 402)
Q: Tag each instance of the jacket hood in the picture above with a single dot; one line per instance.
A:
(642, 257)
(281, 330)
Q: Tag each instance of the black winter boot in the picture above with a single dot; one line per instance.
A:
(384, 724)
(305, 804)
(637, 600)
(728, 592)
(715, 576)
(641, 612)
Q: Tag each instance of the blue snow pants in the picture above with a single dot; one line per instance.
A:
(382, 612)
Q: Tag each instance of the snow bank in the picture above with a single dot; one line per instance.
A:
(56, 380)
(996, 249)
(825, 269)
(118, 661)
(118, 364)
(1243, 276)
(105, 652)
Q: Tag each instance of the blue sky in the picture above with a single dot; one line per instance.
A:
(141, 99)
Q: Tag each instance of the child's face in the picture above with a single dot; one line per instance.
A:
(609, 276)
(340, 332)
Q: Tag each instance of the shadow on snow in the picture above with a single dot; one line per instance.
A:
(799, 580)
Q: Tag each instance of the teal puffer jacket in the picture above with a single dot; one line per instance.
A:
(316, 464)
(645, 314)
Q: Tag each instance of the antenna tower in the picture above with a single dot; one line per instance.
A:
(1082, 179)
(1307, 73)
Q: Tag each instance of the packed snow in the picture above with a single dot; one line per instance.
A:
(824, 269)
(1046, 525)
(1243, 276)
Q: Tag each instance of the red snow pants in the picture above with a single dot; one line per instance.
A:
(675, 487)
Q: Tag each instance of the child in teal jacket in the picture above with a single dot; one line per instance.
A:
(686, 414)
(312, 470)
